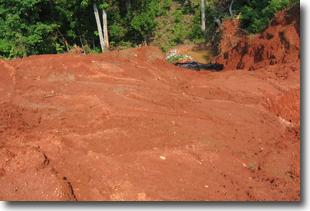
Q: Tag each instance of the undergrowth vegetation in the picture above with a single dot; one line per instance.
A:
(60, 26)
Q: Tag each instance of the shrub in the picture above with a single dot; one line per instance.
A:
(164, 47)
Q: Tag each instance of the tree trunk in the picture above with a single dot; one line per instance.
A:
(99, 27)
(81, 40)
(203, 17)
(218, 20)
(82, 43)
(230, 8)
(105, 29)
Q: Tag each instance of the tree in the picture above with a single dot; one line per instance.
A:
(102, 31)
(143, 23)
(99, 26)
(54, 26)
(105, 27)
(203, 17)
(255, 15)
(21, 29)
(230, 8)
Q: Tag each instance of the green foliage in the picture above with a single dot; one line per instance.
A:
(21, 28)
(115, 28)
(166, 5)
(96, 50)
(59, 47)
(164, 47)
(143, 23)
(255, 15)
(159, 34)
(177, 15)
(189, 8)
(45, 26)
(105, 6)
(125, 45)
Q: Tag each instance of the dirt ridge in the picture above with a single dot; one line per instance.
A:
(278, 44)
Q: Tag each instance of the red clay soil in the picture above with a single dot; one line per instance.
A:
(278, 44)
(129, 126)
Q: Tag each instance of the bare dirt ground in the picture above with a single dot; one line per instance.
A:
(129, 126)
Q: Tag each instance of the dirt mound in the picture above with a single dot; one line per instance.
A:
(128, 125)
(231, 34)
(278, 44)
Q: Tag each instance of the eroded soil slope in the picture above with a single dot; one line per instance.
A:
(129, 126)
(278, 44)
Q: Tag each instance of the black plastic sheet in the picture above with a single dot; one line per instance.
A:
(198, 66)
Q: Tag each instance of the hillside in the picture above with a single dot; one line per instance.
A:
(127, 125)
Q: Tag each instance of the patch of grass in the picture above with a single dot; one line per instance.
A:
(159, 34)
(251, 165)
(160, 26)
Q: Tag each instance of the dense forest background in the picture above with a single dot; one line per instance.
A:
(29, 27)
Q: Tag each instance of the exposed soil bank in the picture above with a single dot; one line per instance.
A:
(278, 44)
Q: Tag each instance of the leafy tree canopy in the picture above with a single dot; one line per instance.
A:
(54, 26)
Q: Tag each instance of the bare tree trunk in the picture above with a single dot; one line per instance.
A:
(218, 20)
(82, 43)
(105, 29)
(99, 27)
(230, 8)
(81, 40)
(203, 17)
